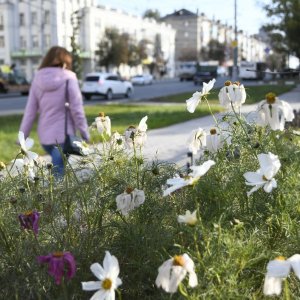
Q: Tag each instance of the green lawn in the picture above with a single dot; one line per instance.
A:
(254, 94)
(121, 117)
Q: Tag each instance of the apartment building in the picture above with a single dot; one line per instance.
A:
(97, 19)
(29, 27)
(194, 31)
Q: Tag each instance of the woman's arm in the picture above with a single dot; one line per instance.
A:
(76, 109)
(30, 111)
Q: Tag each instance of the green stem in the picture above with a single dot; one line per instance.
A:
(182, 291)
(286, 290)
(211, 111)
(237, 117)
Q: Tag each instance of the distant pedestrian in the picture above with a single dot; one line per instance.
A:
(47, 98)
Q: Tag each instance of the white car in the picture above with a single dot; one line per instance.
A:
(106, 84)
(142, 79)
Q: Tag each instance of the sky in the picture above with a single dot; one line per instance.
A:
(250, 14)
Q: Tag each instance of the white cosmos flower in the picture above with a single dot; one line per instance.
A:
(129, 200)
(136, 136)
(193, 102)
(178, 182)
(274, 112)
(214, 141)
(21, 166)
(197, 140)
(189, 218)
(25, 146)
(232, 93)
(173, 271)
(103, 124)
(108, 278)
(263, 177)
(277, 270)
(84, 147)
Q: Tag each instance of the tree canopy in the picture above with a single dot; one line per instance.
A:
(285, 27)
(152, 13)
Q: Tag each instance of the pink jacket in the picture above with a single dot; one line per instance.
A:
(47, 97)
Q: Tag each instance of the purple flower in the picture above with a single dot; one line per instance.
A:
(57, 263)
(29, 220)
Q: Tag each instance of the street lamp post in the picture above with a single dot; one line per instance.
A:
(235, 46)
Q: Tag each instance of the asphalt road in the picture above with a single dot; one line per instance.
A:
(14, 103)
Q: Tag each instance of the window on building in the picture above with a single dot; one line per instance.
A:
(22, 42)
(35, 41)
(33, 18)
(2, 44)
(1, 22)
(21, 19)
(47, 17)
(186, 23)
(47, 40)
(186, 34)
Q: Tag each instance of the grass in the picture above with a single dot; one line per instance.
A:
(121, 117)
(254, 94)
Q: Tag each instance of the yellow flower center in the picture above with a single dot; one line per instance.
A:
(131, 127)
(237, 83)
(228, 83)
(282, 258)
(178, 260)
(106, 284)
(58, 254)
(28, 213)
(101, 114)
(129, 190)
(213, 131)
(271, 98)
(2, 165)
(265, 178)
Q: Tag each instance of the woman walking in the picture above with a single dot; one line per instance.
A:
(47, 98)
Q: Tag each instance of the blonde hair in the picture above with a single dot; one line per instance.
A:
(57, 57)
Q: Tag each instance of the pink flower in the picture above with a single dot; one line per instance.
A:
(29, 220)
(57, 262)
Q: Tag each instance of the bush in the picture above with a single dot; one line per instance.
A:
(234, 238)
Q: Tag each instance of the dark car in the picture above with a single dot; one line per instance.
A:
(203, 76)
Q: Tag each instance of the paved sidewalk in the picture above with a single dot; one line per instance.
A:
(170, 143)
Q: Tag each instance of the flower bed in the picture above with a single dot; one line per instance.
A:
(117, 223)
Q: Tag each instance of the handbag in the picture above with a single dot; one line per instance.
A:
(69, 146)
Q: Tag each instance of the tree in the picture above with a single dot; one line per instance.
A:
(152, 14)
(286, 30)
(214, 51)
(113, 49)
(76, 58)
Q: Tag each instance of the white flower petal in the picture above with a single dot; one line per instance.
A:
(278, 268)
(29, 143)
(91, 285)
(272, 286)
(191, 104)
(198, 171)
(193, 280)
(98, 271)
(295, 263)
(102, 295)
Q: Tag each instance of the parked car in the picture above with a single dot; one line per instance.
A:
(13, 80)
(105, 84)
(205, 74)
(142, 79)
(202, 76)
